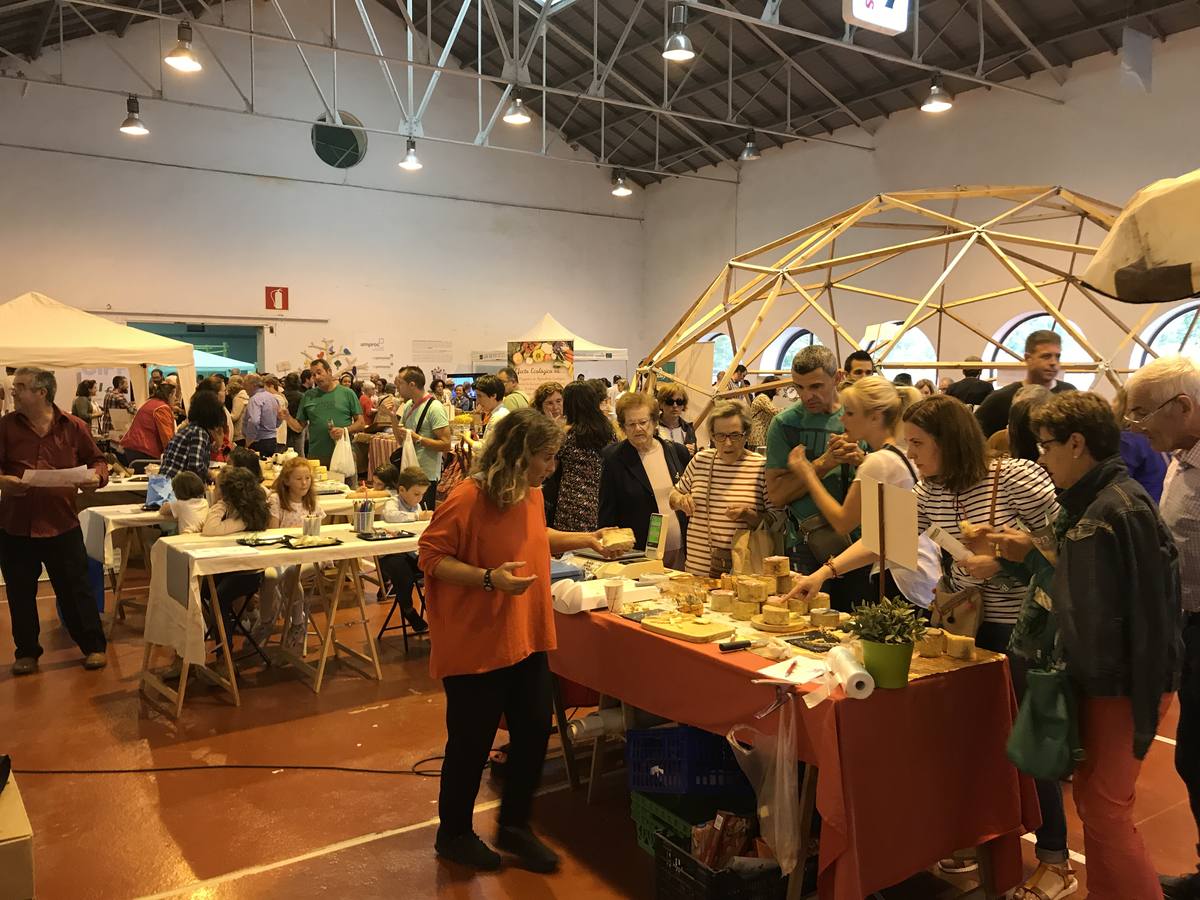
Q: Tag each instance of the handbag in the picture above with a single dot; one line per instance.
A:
(1044, 741)
(958, 612)
(821, 538)
(455, 471)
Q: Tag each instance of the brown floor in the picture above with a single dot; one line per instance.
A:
(266, 834)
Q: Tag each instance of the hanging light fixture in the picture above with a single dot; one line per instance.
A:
(181, 58)
(750, 151)
(939, 99)
(411, 163)
(133, 123)
(620, 188)
(679, 46)
(517, 114)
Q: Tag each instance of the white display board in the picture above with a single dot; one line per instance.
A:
(899, 521)
(883, 16)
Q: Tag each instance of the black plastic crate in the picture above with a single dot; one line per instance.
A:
(680, 876)
(682, 760)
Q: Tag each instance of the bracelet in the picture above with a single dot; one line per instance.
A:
(832, 568)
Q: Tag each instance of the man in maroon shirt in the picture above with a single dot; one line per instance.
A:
(39, 526)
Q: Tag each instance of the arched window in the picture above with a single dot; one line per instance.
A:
(793, 344)
(722, 352)
(914, 346)
(1014, 335)
(1177, 332)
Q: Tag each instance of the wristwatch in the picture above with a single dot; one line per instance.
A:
(487, 581)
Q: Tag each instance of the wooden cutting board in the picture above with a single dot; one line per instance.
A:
(696, 632)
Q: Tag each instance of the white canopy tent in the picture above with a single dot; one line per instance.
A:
(550, 329)
(36, 330)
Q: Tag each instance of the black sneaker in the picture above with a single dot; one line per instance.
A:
(416, 623)
(1181, 887)
(469, 850)
(523, 844)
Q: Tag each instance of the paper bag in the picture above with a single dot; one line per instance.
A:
(752, 546)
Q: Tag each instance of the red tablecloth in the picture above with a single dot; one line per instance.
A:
(906, 777)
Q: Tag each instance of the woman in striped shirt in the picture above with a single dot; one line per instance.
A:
(958, 485)
(722, 490)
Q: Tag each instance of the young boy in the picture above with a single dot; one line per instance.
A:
(190, 506)
(406, 488)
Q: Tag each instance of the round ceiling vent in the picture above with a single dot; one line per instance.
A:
(339, 146)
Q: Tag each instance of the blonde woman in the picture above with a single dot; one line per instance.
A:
(486, 557)
(873, 407)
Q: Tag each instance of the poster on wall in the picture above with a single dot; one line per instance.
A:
(375, 356)
(340, 357)
(431, 355)
(538, 362)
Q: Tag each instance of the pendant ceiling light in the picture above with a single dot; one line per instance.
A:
(181, 58)
(517, 114)
(679, 46)
(750, 151)
(620, 188)
(939, 99)
(410, 163)
(133, 122)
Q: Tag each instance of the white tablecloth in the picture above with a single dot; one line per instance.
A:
(174, 615)
(101, 523)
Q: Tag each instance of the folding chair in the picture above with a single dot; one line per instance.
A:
(397, 607)
(238, 626)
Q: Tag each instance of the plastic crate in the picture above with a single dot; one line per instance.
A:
(682, 760)
(680, 876)
(675, 816)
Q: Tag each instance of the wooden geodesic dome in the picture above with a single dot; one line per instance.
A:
(1024, 240)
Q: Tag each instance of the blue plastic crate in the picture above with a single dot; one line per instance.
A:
(682, 760)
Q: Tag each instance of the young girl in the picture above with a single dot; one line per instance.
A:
(294, 496)
(242, 507)
(190, 506)
(406, 488)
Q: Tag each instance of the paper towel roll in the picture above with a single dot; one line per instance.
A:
(855, 680)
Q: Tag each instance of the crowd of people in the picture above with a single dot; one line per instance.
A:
(1111, 596)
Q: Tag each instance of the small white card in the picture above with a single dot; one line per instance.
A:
(798, 670)
(947, 542)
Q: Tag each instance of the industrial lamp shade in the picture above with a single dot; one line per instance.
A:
(620, 188)
(750, 152)
(410, 163)
(181, 58)
(517, 114)
(133, 121)
(939, 99)
(679, 46)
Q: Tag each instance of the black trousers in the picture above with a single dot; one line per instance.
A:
(1187, 733)
(230, 587)
(21, 561)
(473, 706)
(266, 447)
(401, 570)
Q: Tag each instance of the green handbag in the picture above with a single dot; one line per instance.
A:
(1045, 738)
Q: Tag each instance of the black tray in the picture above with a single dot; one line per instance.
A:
(287, 542)
(385, 536)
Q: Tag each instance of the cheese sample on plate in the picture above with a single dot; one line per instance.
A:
(776, 615)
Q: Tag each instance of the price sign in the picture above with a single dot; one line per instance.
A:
(884, 16)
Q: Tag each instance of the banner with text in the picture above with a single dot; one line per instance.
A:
(539, 362)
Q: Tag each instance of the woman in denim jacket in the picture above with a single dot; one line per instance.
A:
(1112, 597)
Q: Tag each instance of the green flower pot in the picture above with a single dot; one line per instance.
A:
(888, 663)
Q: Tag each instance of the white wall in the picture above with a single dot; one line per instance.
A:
(1107, 140)
(195, 219)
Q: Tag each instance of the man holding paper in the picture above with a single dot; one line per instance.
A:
(39, 525)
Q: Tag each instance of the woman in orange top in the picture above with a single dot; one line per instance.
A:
(153, 426)
(486, 558)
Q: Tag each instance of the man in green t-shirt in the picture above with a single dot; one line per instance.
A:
(514, 398)
(424, 417)
(328, 409)
(813, 426)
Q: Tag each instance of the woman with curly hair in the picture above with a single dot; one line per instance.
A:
(548, 400)
(486, 558)
(242, 507)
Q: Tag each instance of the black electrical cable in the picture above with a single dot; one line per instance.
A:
(356, 770)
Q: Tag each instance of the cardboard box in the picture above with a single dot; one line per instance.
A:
(16, 846)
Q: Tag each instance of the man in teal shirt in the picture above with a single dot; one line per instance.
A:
(813, 426)
(424, 417)
(328, 409)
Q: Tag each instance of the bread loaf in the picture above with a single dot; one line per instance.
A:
(775, 615)
(744, 610)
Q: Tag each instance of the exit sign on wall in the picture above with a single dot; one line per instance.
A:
(884, 16)
(277, 298)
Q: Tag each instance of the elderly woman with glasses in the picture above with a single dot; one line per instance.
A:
(638, 475)
(723, 489)
(672, 403)
(1107, 609)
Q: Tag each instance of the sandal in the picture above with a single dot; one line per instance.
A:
(1048, 882)
(956, 865)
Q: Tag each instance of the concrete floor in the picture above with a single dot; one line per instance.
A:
(300, 834)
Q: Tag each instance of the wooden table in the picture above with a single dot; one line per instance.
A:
(175, 616)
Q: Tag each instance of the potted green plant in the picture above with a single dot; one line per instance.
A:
(888, 630)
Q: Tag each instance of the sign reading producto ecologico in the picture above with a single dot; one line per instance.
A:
(884, 16)
(538, 362)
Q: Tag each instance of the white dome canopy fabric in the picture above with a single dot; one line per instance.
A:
(36, 330)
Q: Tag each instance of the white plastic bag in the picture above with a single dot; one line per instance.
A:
(343, 456)
(770, 765)
(408, 453)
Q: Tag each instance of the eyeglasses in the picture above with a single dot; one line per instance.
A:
(1138, 421)
(675, 401)
(730, 437)
(639, 423)
(1044, 446)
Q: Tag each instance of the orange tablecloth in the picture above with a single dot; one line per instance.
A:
(906, 777)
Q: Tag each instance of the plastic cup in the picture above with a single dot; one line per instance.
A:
(614, 591)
